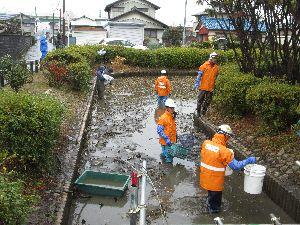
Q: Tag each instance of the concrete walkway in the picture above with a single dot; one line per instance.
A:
(34, 52)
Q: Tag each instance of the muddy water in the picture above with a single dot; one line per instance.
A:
(122, 134)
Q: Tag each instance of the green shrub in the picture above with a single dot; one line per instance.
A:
(80, 75)
(204, 44)
(70, 66)
(15, 206)
(16, 73)
(29, 127)
(87, 52)
(56, 73)
(230, 92)
(154, 45)
(18, 76)
(64, 56)
(275, 103)
(298, 109)
(171, 57)
(6, 63)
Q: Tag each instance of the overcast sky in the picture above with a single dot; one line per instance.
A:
(170, 13)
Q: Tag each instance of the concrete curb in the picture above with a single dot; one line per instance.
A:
(284, 198)
(62, 215)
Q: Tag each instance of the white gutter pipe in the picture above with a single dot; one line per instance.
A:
(143, 196)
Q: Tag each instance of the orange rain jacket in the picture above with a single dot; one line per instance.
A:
(162, 86)
(168, 122)
(210, 73)
(215, 156)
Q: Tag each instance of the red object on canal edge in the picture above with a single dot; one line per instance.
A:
(134, 179)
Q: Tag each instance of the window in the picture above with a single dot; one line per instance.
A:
(117, 9)
(151, 33)
(143, 9)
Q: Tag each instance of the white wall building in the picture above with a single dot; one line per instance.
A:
(134, 32)
(88, 31)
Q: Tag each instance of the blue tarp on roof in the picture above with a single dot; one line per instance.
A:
(212, 23)
(216, 23)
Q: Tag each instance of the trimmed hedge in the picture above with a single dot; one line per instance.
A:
(231, 89)
(64, 56)
(79, 75)
(171, 58)
(275, 103)
(15, 206)
(70, 66)
(29, 127)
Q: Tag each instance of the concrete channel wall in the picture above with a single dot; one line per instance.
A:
(287, 200)
(66, 198)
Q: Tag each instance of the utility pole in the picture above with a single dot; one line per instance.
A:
(64, 22)
(59, 20)
(21, 19)
(53, 28)
(184, 23)
(35, 19)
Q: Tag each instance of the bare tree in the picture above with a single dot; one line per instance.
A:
(267, 31)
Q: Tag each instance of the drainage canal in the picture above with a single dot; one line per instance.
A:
(122, 133)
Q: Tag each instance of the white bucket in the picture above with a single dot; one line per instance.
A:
(254, 178)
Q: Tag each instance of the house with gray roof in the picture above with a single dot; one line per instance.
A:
(17, 23)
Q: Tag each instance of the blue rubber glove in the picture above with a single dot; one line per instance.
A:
(198, 80)
(237, 165)
(251, 160)
(168, 142)
(161, 133)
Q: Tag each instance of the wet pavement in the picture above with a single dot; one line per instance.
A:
(34, 52)
(122, 134)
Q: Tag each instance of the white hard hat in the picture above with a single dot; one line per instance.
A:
(163, 71)
(170, 103)
(213, 55)
(225, 129)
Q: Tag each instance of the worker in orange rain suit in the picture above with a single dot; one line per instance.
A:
(215, 157)
(205, 82)
(166, 129)
(162, 88)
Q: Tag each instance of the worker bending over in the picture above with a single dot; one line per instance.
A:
(166, 129)
(215, 157)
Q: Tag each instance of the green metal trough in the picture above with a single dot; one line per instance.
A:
(98, 183)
